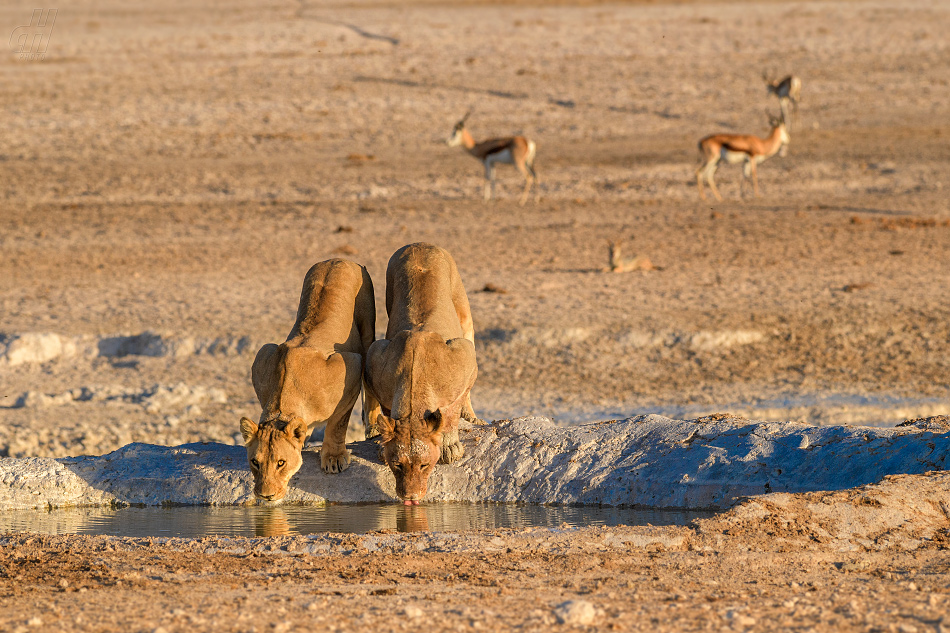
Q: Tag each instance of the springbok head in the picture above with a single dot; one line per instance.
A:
(456, 139)
(778, 123)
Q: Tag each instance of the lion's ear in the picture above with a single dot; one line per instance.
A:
(435, 420)
(248, 430)
(386, 426)
(296, 432)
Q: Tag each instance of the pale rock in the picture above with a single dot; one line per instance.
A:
(724, 339)
(576, 613)
(36, 347)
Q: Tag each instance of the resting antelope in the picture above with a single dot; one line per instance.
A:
(738, 148)
(514, 150)
(619, 264)
(788, 89)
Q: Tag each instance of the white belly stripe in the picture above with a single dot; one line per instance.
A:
(733, 157)
(503, 156)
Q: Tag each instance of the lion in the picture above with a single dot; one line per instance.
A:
(422, 373)
(313, 378)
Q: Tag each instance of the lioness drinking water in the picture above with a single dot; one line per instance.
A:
(423, 371)
(314, 377)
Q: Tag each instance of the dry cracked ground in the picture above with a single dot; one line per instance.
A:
(171, 169)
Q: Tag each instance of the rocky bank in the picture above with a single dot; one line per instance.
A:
(648, 461)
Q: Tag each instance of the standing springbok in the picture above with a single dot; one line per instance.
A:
(514, 150)
(788, 89)
(739, 148)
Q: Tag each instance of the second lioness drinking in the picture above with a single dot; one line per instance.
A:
(423, 371)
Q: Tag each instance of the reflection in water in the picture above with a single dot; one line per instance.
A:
(295, 519)
(412, 518)
(272, 522)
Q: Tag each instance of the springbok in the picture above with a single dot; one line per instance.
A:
(514, 150)
(788, 89)
(739, 148)
(621, 264)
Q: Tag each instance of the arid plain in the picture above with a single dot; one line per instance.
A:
(172, 169)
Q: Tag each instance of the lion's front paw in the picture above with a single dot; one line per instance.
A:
(335, 463)
(452, 451)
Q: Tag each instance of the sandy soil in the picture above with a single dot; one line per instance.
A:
(632, 579)
(176, 167)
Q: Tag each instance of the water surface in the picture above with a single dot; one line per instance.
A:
(229, 521)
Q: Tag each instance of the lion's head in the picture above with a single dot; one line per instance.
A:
(274, 454)
(411, 448)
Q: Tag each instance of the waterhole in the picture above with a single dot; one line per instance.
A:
(193, 522)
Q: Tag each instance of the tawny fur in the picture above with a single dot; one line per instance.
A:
(619, 264)
(423, 371)
(514, 150)
(313, 378)
(734, 148)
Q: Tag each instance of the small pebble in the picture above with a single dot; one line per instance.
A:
(575, 612)
(744, 620)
